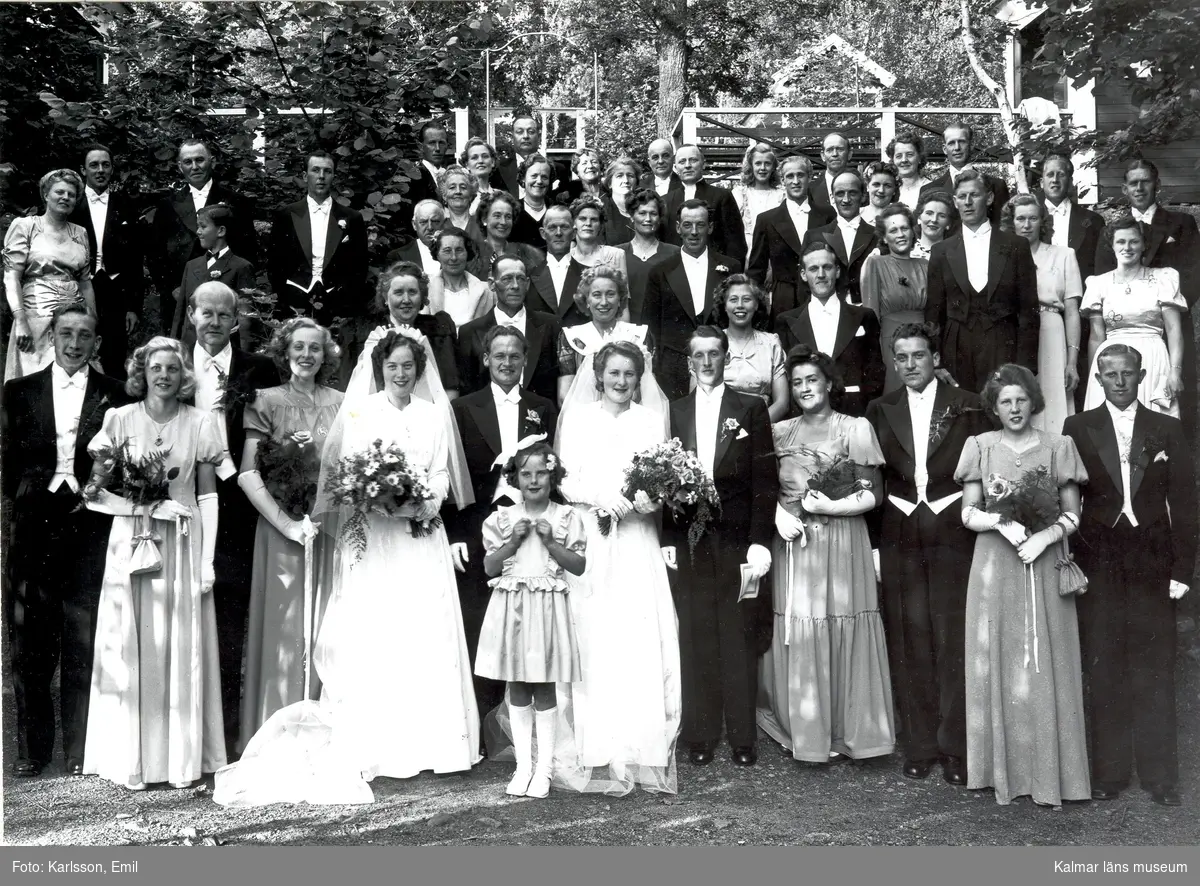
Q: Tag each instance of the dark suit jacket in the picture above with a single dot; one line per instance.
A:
(289, 265)
(408, 251)
(172, 239)
(480, 432)
(527, 229)
(1086, 228)
(541, 362)
(744, 472)
(647, 181)
(958, 415)
(728, 235)
(777, 245)
(818, 193)
(124, 239)
(543, 298)
(855, 351)
(423, 187)
(1011, 290)
(669, 313)
(232, 270)
(865, 240)
(1154, 484)
(999, 189)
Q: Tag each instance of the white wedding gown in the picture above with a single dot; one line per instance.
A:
(397, 696)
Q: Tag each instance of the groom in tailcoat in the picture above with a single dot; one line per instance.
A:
(56, 550)
(1137, 546)
(925, 551)
(485, 439)
(731, 434)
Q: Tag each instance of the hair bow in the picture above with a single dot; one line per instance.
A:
(523, 443)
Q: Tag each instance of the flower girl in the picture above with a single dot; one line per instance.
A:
(528, 638)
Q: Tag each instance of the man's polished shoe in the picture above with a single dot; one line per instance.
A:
(917, 768)
(745, 756)
(27, 768)
(700, 756)
(74, 766)
(1105, 792)
(1164, 795)
(953, 771)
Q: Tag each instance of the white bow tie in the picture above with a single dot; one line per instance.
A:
(99, 198)
(851, 225)
(76, 381)
(1143, 215)
(505, 320)
(210, 363)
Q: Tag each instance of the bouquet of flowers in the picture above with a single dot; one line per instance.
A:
(377, 480)
(835, 476)
(234, 392)
(144, 481)
(289, 470)
(1031, 500)
(669, 473)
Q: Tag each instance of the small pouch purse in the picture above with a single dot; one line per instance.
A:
(145, 557)
(1071, 579)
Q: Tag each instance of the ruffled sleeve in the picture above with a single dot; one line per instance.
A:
(257, 413)
(970, 463)
(209, 449)
(1093, 295)
(861, 443)
(16, 244)
(112, 429)
(497, 530)
(1068, 466)
(1166, 282)
(569, 530)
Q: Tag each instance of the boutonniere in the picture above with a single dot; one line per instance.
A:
(579, 344)
(904, 282)
(533, 419)
(721, 269)
(940, 423)
(233, 392)
(731, 426)
(1153, 450)
(214, 274)
(342, 223)
(96, 411)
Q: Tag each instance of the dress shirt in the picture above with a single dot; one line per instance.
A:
(68, 392)
(829, 177)
(508, 417)
(920, 410)
(517, 320)
(800, 214)
(200, 197)
(558, 268)
(1146, 217)
(708, 415)
(955, 173)
(98, 209)
(209, 396)
(1122, 420)
(428, 262)
(318, 220)
(1061, 216)
(824, 319)
(214, 256)
(433, 170)
(689, 192)
(849, 231)
(977, 244)
(662, 185)
(868, 214)
(697, 277)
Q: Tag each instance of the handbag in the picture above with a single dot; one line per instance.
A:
(145, 557)
(1071, 580)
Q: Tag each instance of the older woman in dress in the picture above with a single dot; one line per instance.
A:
(535, 174)
(620, 180)
(458, 189)
(825, 679)
(756, 357)
(759, 188)
(883, 186)
(402, 291)
(480, 159)
(588, 218)
(298, 413)
(646, 209)
(455, 290)
(588, 168)
(496, 215)
(1025, 727)
(47, 263)
(907, 153)
(1059, 292)
(1138, 306)
(154, 713)
(893, 283)
(936, 218)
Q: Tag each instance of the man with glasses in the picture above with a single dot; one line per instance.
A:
(510, 283)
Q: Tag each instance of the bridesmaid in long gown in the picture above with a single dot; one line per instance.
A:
(1025, 726)
(300, 410)
(826, 687)
(1059, 291)
(154, 713)
(893, 284)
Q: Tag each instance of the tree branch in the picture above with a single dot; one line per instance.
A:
(296, 100)
(999, 94)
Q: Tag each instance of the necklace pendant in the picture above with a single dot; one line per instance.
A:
(158, 440)
(1018, 461)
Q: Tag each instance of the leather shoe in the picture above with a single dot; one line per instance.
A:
(700, 756)
(1165, 796)
(745, 756)
(27, 768)
(953, 771)
(917, 768)
(1105, 792)
(74, 766)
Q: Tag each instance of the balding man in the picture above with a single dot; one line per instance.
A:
(728, 235)
(959, 140)
(660, 157)
(429, 217)
(172, 241)
(835, 154)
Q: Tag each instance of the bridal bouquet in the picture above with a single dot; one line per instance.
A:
(671, 474)
(289, 470)
(835, 476)
(1031, 500)
(378, 480)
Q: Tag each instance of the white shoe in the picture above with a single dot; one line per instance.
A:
(547, 722)
(522, 734)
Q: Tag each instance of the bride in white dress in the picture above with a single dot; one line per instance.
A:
(397, 695)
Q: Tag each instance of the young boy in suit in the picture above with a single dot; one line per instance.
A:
(218, 263)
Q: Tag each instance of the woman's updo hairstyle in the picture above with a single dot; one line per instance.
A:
(803, 355)
(1012, 374)
(618, 349)
(545, 450)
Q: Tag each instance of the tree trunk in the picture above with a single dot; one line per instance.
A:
(672, 65)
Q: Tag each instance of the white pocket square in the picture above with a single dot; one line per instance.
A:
(741, 434)
(1162, 456)
(346, 239)
(859, 331)
(1170, 239)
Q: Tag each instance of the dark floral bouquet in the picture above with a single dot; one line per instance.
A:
(289, 469)
(234, 392)
(1031, 500)
(671, 474)
(144, 480)
(835, 476)
(378, 480)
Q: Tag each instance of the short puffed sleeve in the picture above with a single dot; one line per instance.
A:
(258, 414)
(1068, 466)
(79, 235)
(497, 530)
(861, 443)
(16, 244)
(1093, 295)
(970, 463)
(569, 530)
(209, 449)
(110, 431)
(1166, 283)
(778, 357)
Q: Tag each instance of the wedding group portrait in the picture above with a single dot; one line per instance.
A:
(671, 423)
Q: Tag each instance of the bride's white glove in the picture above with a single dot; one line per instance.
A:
(618, 506)
(207, 504)
(787, 525)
